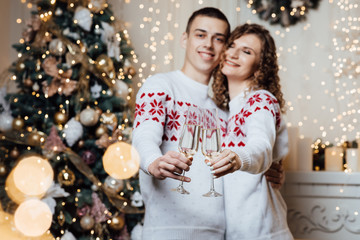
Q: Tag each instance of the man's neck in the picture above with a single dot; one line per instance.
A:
(200, 77)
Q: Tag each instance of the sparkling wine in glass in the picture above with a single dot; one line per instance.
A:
(189, 139)
(211, 142)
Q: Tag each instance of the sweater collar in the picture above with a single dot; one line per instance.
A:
(239, 98)
(191, 81)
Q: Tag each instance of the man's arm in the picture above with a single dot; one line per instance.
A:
(276, 175)
(149, 126)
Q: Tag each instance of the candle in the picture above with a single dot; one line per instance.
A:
(290, 162)
(334, 159)
(304, 154)
(352, 159)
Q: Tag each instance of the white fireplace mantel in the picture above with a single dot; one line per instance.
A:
(323, 205)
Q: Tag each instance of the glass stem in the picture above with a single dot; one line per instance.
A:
(212, 188)
(183, 177)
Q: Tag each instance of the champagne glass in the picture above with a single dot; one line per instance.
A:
(189, 139)
(211, 142)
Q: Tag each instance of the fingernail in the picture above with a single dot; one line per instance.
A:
(211, 168)
(208, 163)
(212, 172)
(214, 176)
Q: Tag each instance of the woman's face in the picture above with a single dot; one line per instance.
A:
(242, 58)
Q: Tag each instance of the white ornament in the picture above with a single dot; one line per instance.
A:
(5, 121)
(121, 89)
(55, 191)
(58, 12)
(68, 236)
(57, 47)
(94, 187)
(73, 35)
(95, 90)
(113, 184)
(97, 30)
(109, 92)
(112, 42)
(73, 131)
(83, 18)
(5, 117)
(36, 87)
(89, 117)
(136, 233)
(136, 200)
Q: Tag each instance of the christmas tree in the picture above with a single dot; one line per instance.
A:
(65, 135)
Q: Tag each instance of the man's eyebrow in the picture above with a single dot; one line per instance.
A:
(204, 31)
(199, 29)
(220, 34)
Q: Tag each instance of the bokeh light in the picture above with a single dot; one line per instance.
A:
(33, 175)
(121, 160)
(33, 218)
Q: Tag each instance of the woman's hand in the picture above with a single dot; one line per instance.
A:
(226, 162)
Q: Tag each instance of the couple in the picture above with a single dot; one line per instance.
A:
(254, 136)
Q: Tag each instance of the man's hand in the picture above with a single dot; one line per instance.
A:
(171, 165)
(275, 175)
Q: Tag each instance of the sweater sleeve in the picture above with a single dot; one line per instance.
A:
(260, 118)
(150, 116)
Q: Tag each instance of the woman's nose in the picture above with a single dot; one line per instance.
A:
(233, 54)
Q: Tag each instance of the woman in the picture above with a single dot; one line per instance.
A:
(247, 83)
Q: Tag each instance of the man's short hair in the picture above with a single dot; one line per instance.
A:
(209, 12)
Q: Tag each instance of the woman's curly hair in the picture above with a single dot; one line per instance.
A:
(267, 77)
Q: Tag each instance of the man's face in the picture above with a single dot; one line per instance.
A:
(203, 43)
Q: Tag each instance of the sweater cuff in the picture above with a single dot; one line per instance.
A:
(245, 160)
(146, 164)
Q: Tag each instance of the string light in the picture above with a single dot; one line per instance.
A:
(343, 57)
(344, 63)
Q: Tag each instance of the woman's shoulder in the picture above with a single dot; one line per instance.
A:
(261, 92)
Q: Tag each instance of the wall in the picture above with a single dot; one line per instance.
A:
(322, 104)
(320, 83)
(10, 11)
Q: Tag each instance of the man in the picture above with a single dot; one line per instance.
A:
(160, 112)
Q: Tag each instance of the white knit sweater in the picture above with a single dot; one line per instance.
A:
(257, 133)
(160, 108)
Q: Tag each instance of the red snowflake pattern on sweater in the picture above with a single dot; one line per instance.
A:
(139, 109)
(162, 109)
(156, 108)
(173, 120)
(260, 101)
